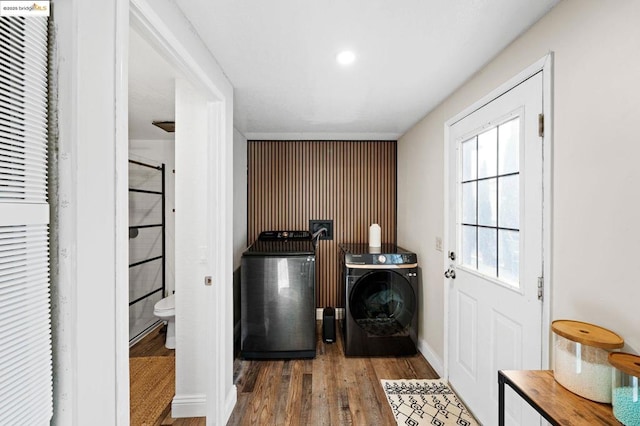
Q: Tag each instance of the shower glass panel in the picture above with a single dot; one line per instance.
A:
(146, 245)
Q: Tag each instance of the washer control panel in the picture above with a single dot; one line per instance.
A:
(361, 254)
(284, 235)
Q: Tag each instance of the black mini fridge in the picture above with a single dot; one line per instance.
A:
(277, 293)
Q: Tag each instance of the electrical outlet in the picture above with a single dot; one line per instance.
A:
(316, 225)
(438, 243)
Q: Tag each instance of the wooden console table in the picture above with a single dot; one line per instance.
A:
(549, 398)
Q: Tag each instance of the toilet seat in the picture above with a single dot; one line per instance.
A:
(165, 307)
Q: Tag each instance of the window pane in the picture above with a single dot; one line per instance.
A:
(509, 255)
(509, 195)
(487, 248)
(469, 203)
(509, 147)
(488, 153)
(469, 159)
(487, 200)
(469, 246)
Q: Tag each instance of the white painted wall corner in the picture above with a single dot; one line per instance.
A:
(431, 357)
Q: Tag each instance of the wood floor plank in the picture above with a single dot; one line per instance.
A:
(191, 421)
(367, 382)
(351, 371)
(339, 411)
(381, 398)
(319, 390)
(261, 407)
(239, 409)
(357, 410)
(283, 393)
(306, 399)
(293, 407)
(335, 405)
(308, 366)
(248, 375)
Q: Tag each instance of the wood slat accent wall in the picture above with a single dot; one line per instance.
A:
(351, 182)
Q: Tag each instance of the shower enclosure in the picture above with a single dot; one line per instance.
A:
(147, 264)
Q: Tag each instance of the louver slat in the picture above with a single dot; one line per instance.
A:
(25, 322)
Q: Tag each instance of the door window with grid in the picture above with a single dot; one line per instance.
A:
(490, 192)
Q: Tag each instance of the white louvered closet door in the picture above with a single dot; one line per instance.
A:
(25, 324)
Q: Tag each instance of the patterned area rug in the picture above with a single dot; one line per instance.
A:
(425, 402)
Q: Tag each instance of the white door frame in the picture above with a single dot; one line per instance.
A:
(122, 212)
(545, 65)
(144, 16)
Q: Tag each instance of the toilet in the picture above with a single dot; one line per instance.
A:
(165, 309)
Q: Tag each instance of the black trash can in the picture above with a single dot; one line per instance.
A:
(329, 325)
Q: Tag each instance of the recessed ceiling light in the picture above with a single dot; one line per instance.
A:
(346, 57)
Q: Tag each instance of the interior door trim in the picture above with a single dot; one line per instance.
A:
(544, 65)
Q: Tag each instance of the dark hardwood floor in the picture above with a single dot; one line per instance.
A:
(330, 389)
(151, 345)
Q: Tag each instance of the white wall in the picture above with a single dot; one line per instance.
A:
(156, 152)
(86, 377)
(596, 99)
(239, 220)
(239, 196)
(192, 245)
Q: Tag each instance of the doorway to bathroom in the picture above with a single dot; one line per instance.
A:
(201, 107)
(151, 183)
(151, 169)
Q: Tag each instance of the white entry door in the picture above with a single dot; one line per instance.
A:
(495, 241)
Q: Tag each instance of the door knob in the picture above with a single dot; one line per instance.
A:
(450, 273)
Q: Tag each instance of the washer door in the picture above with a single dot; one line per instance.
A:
(383, 303)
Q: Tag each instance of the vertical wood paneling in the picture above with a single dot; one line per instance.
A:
(353, 183)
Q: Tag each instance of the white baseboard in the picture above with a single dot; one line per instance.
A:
(431, 357)
(189, 406)
(339, 313)
(146, 332)
(230, 403)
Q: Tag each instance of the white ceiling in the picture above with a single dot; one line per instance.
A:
(280, 58)
(151, 90)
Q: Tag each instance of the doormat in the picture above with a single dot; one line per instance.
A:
(152, 386)
(426, 402)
